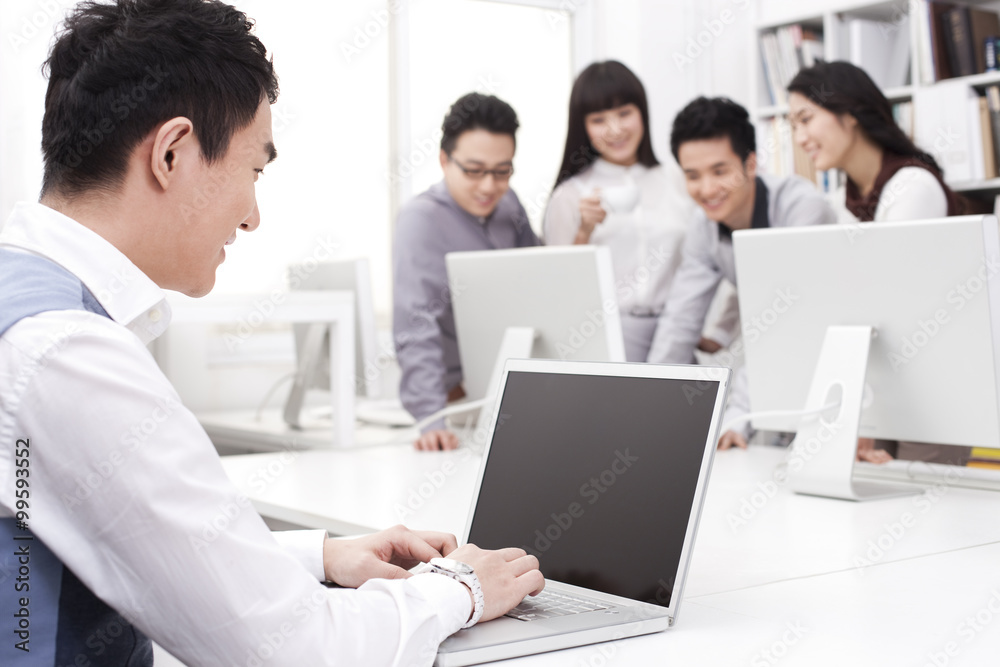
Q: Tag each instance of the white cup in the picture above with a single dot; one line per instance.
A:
(620, 198)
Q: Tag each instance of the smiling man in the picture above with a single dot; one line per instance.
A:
(473, 208)
(119, 539)
(713, 141)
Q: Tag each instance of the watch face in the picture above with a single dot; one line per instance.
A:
(452, 565)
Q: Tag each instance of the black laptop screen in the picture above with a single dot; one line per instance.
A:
(596, 476)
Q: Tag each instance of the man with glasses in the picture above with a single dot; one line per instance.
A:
(473, 208)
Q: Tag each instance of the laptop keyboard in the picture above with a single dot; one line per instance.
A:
(549, 605)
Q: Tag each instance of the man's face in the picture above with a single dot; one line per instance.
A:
(221, 199)
(478, 150)
(717, 179)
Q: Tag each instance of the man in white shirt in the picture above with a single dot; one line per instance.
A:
(157, 124)
(713, 141)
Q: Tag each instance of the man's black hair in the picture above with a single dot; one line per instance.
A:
(713, 118)
(476, 111)
(119, 69)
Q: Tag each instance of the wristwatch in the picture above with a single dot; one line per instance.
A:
(459, 571)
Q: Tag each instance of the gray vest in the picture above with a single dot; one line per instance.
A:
(56, 619)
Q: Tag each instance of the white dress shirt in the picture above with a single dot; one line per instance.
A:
(128, 491)
(645, 243)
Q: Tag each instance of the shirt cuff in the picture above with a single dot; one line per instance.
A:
(306, 546)
(449, 595)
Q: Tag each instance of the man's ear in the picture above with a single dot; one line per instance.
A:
(173, 145)
(443, 159)
(750, 166)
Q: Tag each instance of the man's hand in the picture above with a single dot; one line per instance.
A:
(867, 452)
(591, 215)
(505, 575)
(731, 439)
(387, 554)
(708, 345)
(436, 440)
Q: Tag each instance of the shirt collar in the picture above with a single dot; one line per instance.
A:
(759, 220)
(128, 295)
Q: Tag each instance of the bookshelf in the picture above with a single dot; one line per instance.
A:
(892, 41)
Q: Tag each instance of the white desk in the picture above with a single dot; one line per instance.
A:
(795, 560)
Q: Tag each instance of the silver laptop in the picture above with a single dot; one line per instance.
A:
(600, 470)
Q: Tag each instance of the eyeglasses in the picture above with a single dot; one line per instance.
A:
(478, 173)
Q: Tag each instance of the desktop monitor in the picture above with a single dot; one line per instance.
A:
(896, 321)
(564, 294)
(312, 343)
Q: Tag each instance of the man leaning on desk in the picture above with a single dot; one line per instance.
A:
(157, 125)
(472, 208)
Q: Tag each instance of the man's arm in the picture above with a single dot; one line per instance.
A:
(679, 327)
(129, 493)
(420, 298)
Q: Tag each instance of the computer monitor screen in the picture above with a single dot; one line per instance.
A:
(566, 294)
(930, 289)
(347, 275)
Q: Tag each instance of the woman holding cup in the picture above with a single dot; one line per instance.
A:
(612, 191)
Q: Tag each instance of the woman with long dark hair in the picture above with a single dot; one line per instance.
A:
(612, 191)
(842, 119)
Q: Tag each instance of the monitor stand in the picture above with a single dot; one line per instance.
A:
(823, 452)
(309, 357)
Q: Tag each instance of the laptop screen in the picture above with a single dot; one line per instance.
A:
(596, 476)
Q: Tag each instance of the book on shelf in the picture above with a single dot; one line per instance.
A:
(989, 147)
(952, 40)
(948, 127)
(784, 51)
(881, 48)
(993, 109)
(779, 154)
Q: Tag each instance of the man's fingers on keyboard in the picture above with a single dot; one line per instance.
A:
(533, 580)
(524, 564)
(511, 553)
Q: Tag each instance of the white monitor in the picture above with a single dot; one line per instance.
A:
(901, 318)
(312, 341)
(565, 295)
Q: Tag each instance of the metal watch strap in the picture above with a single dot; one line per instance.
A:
(470, 580)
